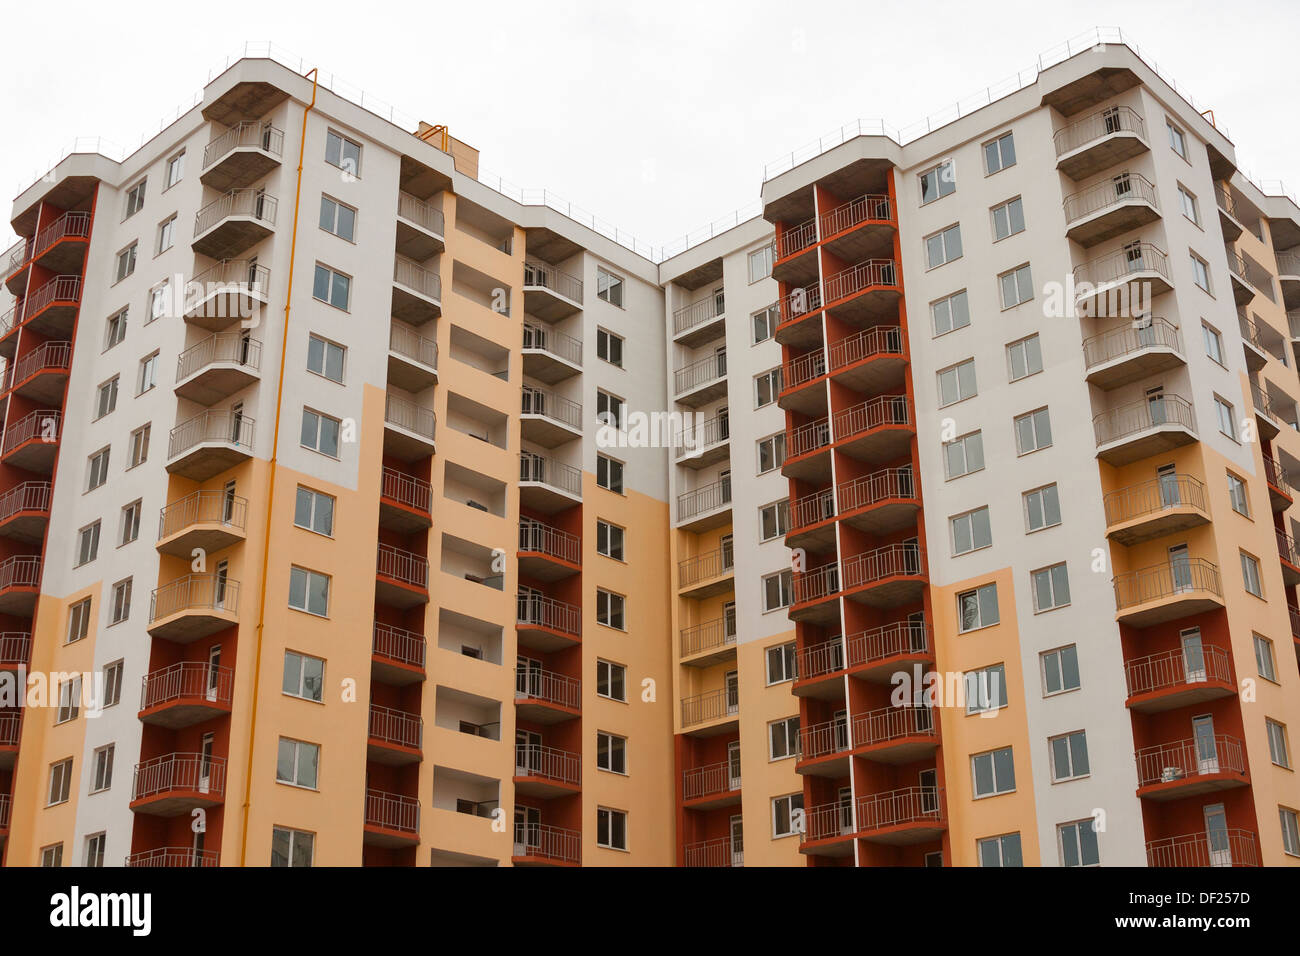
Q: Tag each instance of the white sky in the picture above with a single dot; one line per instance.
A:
(658, 115)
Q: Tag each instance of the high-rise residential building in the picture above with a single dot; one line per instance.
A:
(354, 511)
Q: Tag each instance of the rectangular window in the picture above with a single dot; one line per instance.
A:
(166, 234)
(95, 849)
(297, 763)
(1250, 574)
(766, 387)
(331, 287)
(126, 262)
(320, 433)
(778, 590)
(112, 683)
(1033, 431)
(135, 199)
(1265, 661)
(611, 752)
(129, 526)
(78, 620)
(1187, 203)
(52, 856)
(610, 609)
(1290, 831)
(774, 520)
(1024, 358)
(986, 689)
(611, 828)
(609, 347)
(1078, 841)
(314, 511)
(964, 455)
(783, 812)
(781, 663)
(938, 181)
(993, 772)
(1227, 418)
(611, 680)
(121, 606)
(148, 377)
(610, 409)
(304, 676)
(1000, 850)
(1042, 508)
(69, 700)
(943, 246)
(950, 313)
(978, 608)
(760, 263)
(1177, 140)
(115, 329)
(1237, 495)
(309, 591)
(970, 531)
(157, 303)
(957, 383)
(1060, 670)
(1008, 219)
(60, 782)
(609, 473)
(783, 738)
(1069, 756)
(338, 218)
(106, 398)
(998, 155)
(1017, 286)
(771, 452)
(343, 153)
(87, 544)
(609, 540)
(1213, 342)
(292, 847)
(139, 446)
(764, 323)
(1051, 587)
(175, 170)
(325, 358)
(1200, 271)
(1277, 749)
(102, 778)
(609, 287)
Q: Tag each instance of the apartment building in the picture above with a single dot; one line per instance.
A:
(955, 530)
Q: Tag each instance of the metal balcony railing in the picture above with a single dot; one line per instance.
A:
(7, 321)
(228, 275)
(48, 356)
(423, 214)
(20, 571)
(546, 471)
(706, 370)
(1134, 418)
(181, 856)
(807, 438)
(889, 640)
(58, 289)
(702, 567)
(868, 343)
(1127, 340)
(698, 313)
(1109, 193)
(398, 644)
(1177, 668)
(190, 772)
(233, 347)
(543, 276)
(818, 660)
(15, 256)
(856, 211)
(703, 435)
(824, 739)
(253, 203)
(1162, 581)
(1107, 122)
(392, 811)
(1250, 271)
(804, 369)
(1118, 266)
(407, 490)
(404, 566)
(10, 724)
(44, 425)
(396, 727)
(213, 425)
(195, 592)
(536, 610)
(828, 820)
(547, 842)
(1223, 199)
(1230, 847)
(864, 275)
(415, 277)
(1263, 405)
(409, 416)
(1286, 547)
(533, 683)
(719, 632)
(704, 499)
(408, 343)
(816, 584)
(711, 853)
(543, 402)
(248, 134)
(1154, 496)
(892, 560)
(710, 780)
(188, 680)
(556, 343)
(73, 224)
(812, 509)
(547, 763)
(540, 538)
(1166, 763)
(1294, 612)
(6, 805)
(799, 302)
(873, 413)
(1288, 263)
(1277, 476)
(899, 807)
(876, 487)
(202, 507)
(15, 647)
(892, 723)
(795, 239)
(29, 496)
(712, 705)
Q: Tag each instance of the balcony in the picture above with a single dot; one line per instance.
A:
(6, 807)
(708, 787)
(812, 521)
(1178, 678)
(211, 442)
(895, 817)
(877, 653)
(1227, 206)
(178, 783)
(870, 360)
(417, 292)
(421, 228)
(545, 697)
(864, 293)
(1154, 508)
(20, 582)
(708, 643)
(548, 419)
(409, 429)
(701, 382)
(1288, 278)
(880, 503)
(799, 324)
(549, 293)
(547, 485)
(704, 444)
(537, 844)
(32, 442)
(707, 574)
(217, 367)
(1189, 767)
(51, 310)
(25, 511)
(397, 656)
(401, 577)
(1281, 492)
(10, 728)
(824, 749)
(808, 451)
(1130, 353)
(185, 694)
(209, 520)
(231, 225)
(1142, 429)
(546, 771)
(793, 265)
(405, 502)
(391, 820)
(895, 735)
(710, 713)
(232, 290)
(1231, 847)
(1110, 208)
(394, 738)
(1266, 417)
(700, 322)
(1166, 592)
(859, 229)
(1290, 558)
(801, 390)
(875, 430)
(169, 856)
(547, 553)
(42, 374)
(705, 507)
(14, 262)
(714, 853)
(547, 624)
(193, 607)
(15, 650)
(1100, 141)
(816, 593)
(550, 356)
(9, 323)
(885, 577)
(242, 155)
(1248, 278)
(61, 246)
(1122, 284)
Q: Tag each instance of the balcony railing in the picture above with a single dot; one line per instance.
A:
(187, 680)
(543, 402)
(1288, 263)
(10, 724)
(404, 566)
(541, 538)
(1277, 476)
(898, 807)
(812, 509)
(818, 660)
(707, 781)
(720, 632)
(48, 356)
(213, 425)
(703, 499)
(892, 723)
(855, 279)
(6, 805)
(233, 347)
(824, 739)
(20, 571)
(889, 640)
(892, 560)
(1177, 668)
(535, 610)
(1133, 418)
(1263, 405)
(1250, 271)
(541, 275)
(854, 212)
(410, 416)
(229, 275)
(710, 853)
(1223, 199)
(1286, 547)
(554, 342)
(548, 843)
(421, 213)
(1118, 266)
(15, 256)
(700, 373)
(870, 342)
(253, 203)
(396, 727)
(1126, 187)
(702, 567)
(249, 134)
(406, 490)
(1166, 763)
(547, 471)
(703, 434)
(15, 647)
(1154, 496)
(698, 313)
(803, 369)
(1126, 340)
(712, 705)
(800, 302)
(808, 437)
(1230, 847)
(548, 686)
(58, 289)
(878, 486)
(392, 811)
(181, 856)
(1294, 612)
(408, 343)
(44, 424)
(194, 772)
(873, 413)
(73, 224)
(816, 584)
(195, 592)
(547, 763)
(1107, 122)
(796, 239)
(29, 496)
(398, 644)
(203, 507)
(1162, 581)
(414, 276)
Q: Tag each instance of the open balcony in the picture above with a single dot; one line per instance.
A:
(1142, 429)
(1252, 343)
(417, 292)
(722, 852)
(20, 582)
(1123, 283)
(812, 521)
(1231, 847)
(701, 382)
(14, 262)
(870, 360)
(878, 429)
(547, 485)
(808, 451)
(537, 844)
(547, 553)
(25, 511)
(1288, 278)
(548, 419)
(1227, 206)
(9, 323)
(15, 650)
(178, 783)
(51, 310)
(397, 656)
(875, 655)
(542, 771)
(800, 317)
(6, 809)
(421, 228)
(409, 429)
(707, 574)
(405, 502)
(229, 291)
(173, 856)
(544, 696)
(10, 729)
(1154, 508)
(394, 737)
(1281, 492)
(704, 443)
(241, 155)
(816, 594)
(1248, 278)
(1289, 558)
(1178, 678)
(59, 247)
(231, 225)
(895, 735)
(880, 503)
(217, 367)
(1132, 352)
(705, 507)
(801, 387)
(390, 820)
(550, 355)
(547, 624)
(1185, 768)
(1166, 592)
(824, 748)
(885, 577)
(711, 786)
(211, 442)
(1110, 208)
(1266, 416)
(708, 643)
(42, 374)
(401, 577)
(859, 229)
(184, 694)
(700, 322)
(550, 294)
(193, 607)
(32, 442)
(864, 293)
(710, 713)
(209, 520)
(1099, 141)
(895, 817)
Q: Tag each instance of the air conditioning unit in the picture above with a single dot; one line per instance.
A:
(1170, 774)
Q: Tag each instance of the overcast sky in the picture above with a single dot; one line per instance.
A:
(657, 116)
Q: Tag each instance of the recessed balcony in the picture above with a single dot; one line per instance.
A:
(62, 245)
(211, 442)
(705, 507)
(409, 429)
(417, 292)
(1178, 678)
(169, 856)
(542, 771)
(881, 502)
(390, 820)
(537, 844)
(544, 696)
(550, 356)
(217, 367)
(1288, 278)
(412, 358)
(704, 443)
(1166, 592)
(878, 653)
(800, 322)
(1136, 430)
(178, 783)
(25, 511)
(711, 786)
(801, 387)
(870, 360)
(20, 582)
(6, 808)
(550, 294)
(795, 260)
(859, 229)
(700, 322)
(701, 382)
(547, 485)
(1248, 278)
(545, 623)
(816, 594)
(208, 520)
(15, 650)
(1099, 141)
(185, 694)
(547, 553)
(808, 451)
(1154, 508)
(32, 442)
(710, 713)
(193, 607)
(397, 656)
(1289, 557)
(896, 817)
(401, 577)
(1266, 416)
(1132, 352)
(394, 738)
(242, 155)
(1110, 208)
(51, 310)
(421, 228)
(1122, 284)
(42, 374)
(1281, 492)
(232, 290)
(707, 574)
(231, 225)
(1185, 768)
(708, 643)
(1231, 847)
(548, 419)
(10, 729)
(895, 735)
(879, 429)
(722, 852)
(405, 502)
(885, 577)
(824, 749)
(1227, 206)
(863, 294)
(812, 521)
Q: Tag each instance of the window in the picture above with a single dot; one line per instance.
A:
(609, 540)
(291, 847)
(1250, 574)
(69, 700)
(309, 591)
(1033, 431)
(126, 262)
(1277, 743)
(986, 689)
(777, 590)
(1213, 342)
(998, 155)
(964, 455)
(760, 263)
(102, 777)
(611, 828)
(1177, 141)
(343, 153)
(1290, 831)
(764, 323)
(139, 446)
(610, 409)
(1200, 272)
(957, 383)
(611, 752)
(166, 234)
(611, 680)
(112, 684)
(78, 620)
(950, 313)
(158, 303)
(1227, 420)
(1187, 202)
(993, 772)
(937, 182)
(175, 170)
(1265, 661)
(766, 386)
(943, 246)
(609, 287)
(297, 763)
(610, 609)
(1024, 358)
(771, 452)
(1017, 286)
(115, 329)
(1008, 219)
(52, 855)
(774, 520)
(1078, 842)
(87, 544)
(120, 609)
(332, 287)
(130, 523)
(609, 473)
(783, 738)
(95, 849)
(609, 347)
(1060, 670)
(1051, 587)
(60, 782)
(970, 531)
(314, 511)
(1069, 756)
(1237, 495)
(978, 608)
(134, 199)
(325, 358)
(320, 433)
(338, 218)
(304, 676)
(148, 374)
(781, 663)
(106, 398)
(783, 809)
(1042, 508)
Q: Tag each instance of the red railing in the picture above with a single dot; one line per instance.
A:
(398, 644)
(188, 680)
(403, 566)
(189, 772)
